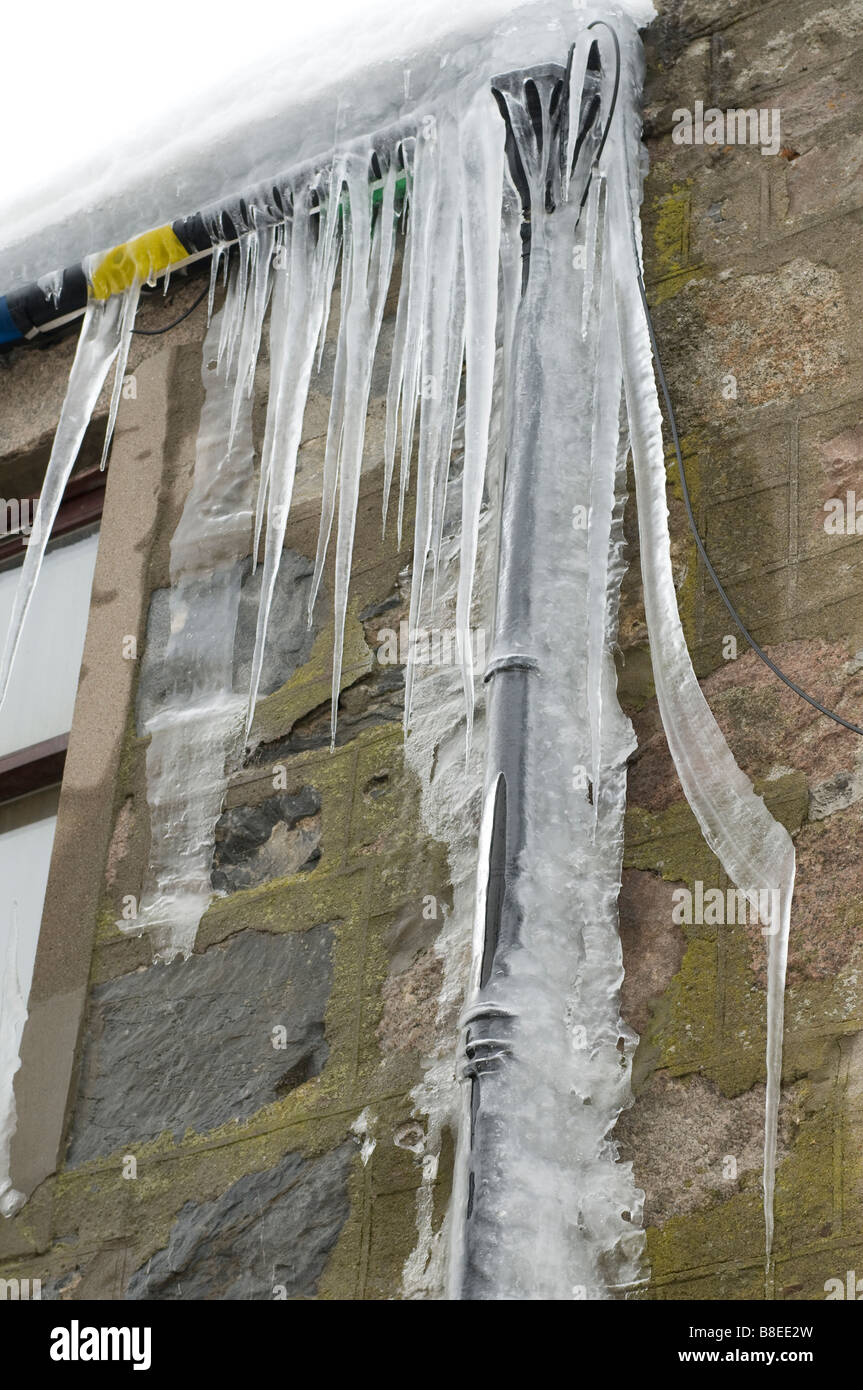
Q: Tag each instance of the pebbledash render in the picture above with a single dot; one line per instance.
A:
(247, 1122)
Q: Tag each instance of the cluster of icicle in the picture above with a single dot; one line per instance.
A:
(439, 198)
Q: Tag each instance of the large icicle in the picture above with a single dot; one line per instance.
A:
(261, 244)
(605, 432)
(397, 357)
(97, 347)
(755, 850)
(440, 371)
(300, 305)
(363, 297)
(481, 191)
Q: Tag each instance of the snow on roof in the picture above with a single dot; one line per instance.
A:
(336, 78)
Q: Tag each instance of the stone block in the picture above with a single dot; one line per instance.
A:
(268, 1236)
(190, 1045)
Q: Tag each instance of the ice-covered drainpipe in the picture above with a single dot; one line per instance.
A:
(542, 1208)
(516, 1038)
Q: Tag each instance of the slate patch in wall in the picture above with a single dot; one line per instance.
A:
(189, 1045)
(290, 638)
(278, 837)
(268, 1229)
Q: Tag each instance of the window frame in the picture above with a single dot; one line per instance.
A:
(41, 764)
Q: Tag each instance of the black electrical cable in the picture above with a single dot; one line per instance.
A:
(600, 23)
(154, 332)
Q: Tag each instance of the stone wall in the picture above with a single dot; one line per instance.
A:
(241, 1123)
(754, 277)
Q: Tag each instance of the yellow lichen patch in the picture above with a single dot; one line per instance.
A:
(311, 685)
(667, 263)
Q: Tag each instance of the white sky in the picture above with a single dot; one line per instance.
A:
(80, 77)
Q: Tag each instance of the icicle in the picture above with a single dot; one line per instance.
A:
(453, 362)
(595, 212)
(480, 192)
(235, 304)
(370, 264)
(218, 251)
(335, 426)
(397, 359)
(366, 270)
(387, 259)
(425, 192)
(755, 850)
(260, 284)
(442, 331)
(298, 312)
(130, 300)
(278, 320)
(605, 432)
(387, 247)
(331, 235)
(97, 347)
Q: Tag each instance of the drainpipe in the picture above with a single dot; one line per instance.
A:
(543, 147)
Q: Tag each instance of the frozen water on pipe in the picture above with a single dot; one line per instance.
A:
(554, 1214)
(51, 286)
(451, 801)
(595, 198)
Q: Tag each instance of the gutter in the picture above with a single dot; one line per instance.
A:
(50, 303)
